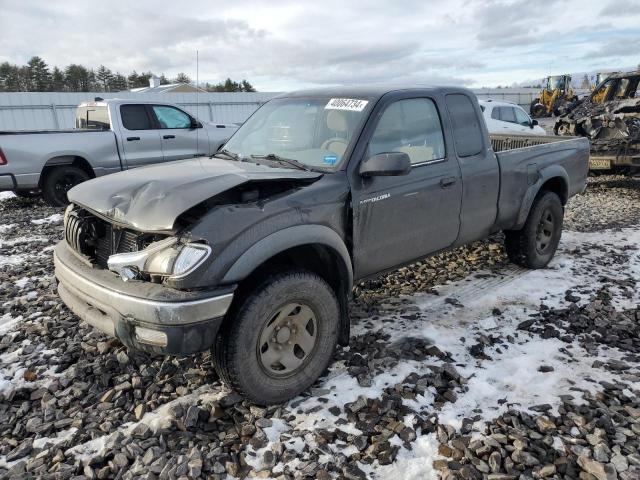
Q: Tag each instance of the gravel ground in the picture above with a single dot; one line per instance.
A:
(461, 366)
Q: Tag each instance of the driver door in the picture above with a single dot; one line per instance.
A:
(398, 219)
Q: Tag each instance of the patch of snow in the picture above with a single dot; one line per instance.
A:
(415, 464)
(6, 195)
(157, 419)
(7, 322)
(12, 259)
(21, 282)
(7, 227)
(55, 218)
(61, 436)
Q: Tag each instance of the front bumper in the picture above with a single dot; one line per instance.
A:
(187, 321)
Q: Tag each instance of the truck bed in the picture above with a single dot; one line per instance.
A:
(524, 161)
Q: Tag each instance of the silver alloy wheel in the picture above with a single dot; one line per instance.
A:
(287, 340)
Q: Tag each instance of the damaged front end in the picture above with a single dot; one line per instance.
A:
(610, 118)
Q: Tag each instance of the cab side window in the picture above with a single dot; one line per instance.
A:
(508, 114)
(135, 117)
(522, 118)
(170, 117)
(467, 133)
(411, 126)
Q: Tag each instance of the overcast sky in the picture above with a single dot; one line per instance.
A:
(287, 44)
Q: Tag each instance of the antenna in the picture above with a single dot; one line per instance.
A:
(197, 103)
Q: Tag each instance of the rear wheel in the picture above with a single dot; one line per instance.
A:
(535, 244)
(58, 181)
(280, 339)
(539, 110)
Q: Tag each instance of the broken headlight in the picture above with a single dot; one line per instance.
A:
(165, 258)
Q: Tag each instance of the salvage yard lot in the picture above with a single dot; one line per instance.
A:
(461, 366)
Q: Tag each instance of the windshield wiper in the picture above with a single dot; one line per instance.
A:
(227, 153)
(288, 161)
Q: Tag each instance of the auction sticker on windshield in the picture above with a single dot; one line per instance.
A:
(351, 104)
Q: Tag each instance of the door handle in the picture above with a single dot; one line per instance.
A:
(167, 137)
(131, 139)
(447, 182)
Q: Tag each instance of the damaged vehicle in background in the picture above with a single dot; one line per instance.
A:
(610, 118)
(254, 252)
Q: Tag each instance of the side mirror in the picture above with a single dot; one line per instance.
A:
(386, 165)
(533, 123)
(195, 123)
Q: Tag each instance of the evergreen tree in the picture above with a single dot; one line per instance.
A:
(78, 78)
(22, 79)
(117, 83)
(57, 80)
(36, 76)
(231, 86)
(39, 75)
(144, 78)
(7, 71)
(103, 78)
(136, 80)
(246, 87)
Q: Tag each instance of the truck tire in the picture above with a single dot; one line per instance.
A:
(58, 181)
(280, 339)
(532, 105)
(535, 244)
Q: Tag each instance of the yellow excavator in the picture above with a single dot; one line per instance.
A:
(555, 97)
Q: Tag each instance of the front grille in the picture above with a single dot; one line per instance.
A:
(115, 240)
(98, 239)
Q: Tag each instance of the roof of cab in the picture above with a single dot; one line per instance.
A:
(371, 91)
(119, 101)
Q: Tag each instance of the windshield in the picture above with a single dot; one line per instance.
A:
(312, 131)
(556, 82)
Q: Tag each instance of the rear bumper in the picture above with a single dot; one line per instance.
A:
(144, 316)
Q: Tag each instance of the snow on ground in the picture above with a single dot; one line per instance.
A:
(511, 376)
(7, 227)
(6, 195)
(55, 218)
(486, 303)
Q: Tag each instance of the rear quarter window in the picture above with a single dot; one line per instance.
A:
(93, 117)
(467, 134)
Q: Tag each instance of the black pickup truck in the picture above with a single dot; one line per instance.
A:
(254, 251)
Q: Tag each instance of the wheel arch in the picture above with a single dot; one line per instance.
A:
(308, 247)
(74, 160)
(552, 179)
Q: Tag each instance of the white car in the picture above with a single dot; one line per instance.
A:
(509, 118)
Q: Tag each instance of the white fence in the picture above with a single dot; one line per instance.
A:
(47, 110)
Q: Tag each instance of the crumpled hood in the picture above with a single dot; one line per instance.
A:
(151, 198)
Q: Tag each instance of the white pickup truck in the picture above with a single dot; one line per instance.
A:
(110, 136)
